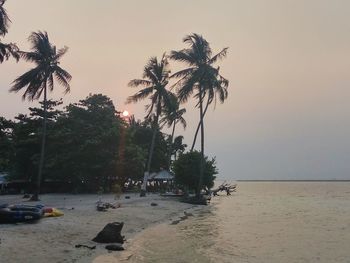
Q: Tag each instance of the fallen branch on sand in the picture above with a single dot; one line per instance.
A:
(225, 187)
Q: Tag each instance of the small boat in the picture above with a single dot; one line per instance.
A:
(52, 212)
(20, 213)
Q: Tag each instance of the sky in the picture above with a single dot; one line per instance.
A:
(288, 112)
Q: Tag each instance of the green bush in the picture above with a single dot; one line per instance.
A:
(187, 171)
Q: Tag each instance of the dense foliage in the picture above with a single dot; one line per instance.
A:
(187, 171)
(89, 146)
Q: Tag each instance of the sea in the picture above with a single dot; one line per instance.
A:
(261, 222)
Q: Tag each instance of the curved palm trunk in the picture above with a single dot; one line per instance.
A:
(171, 143)
(201, 168)
(198, 126)
(35, 197)
(149, 162)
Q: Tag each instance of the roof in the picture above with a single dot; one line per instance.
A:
(151, 176)
(163, 175)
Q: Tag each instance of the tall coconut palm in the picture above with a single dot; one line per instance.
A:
(154, 86)
(40, 79)
(213, 92)
(6, 50)
(201, 78)
(171, 117)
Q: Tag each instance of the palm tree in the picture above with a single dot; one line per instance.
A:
(171, 118)
(154, 83)
(178, 145)
(6, 50)
(201, 78)
(213, 92)
(4, 19)
(40, 78)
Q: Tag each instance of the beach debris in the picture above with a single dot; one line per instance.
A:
(127, 197)
(87, 246)
(225, 188)
(154, 204)
(114, 247)
(175, 222)
(52, 212)
(111, 233)
(188, 214)
(26, 196)
(103, 206)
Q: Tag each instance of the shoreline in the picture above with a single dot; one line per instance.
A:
(54, 239)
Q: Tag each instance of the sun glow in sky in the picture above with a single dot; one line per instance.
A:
(288, 111)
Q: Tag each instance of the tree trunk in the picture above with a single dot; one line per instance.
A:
(149, 162)
(171, 143)
(201, 168)
(199, 125)
(35, 196)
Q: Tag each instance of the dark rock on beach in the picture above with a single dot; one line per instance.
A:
(114, 247)
(111, 233)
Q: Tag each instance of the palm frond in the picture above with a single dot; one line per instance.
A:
(33, 81)
(61, 52)
(4, 19)
(186, 90)
(139, 82)
(200, 48)
(8, 50)
(63, 78)
(183, 122)
(183, 55)
(183, 73)
(142, 94)
(41, 44)
(31, 56)
(222, 54)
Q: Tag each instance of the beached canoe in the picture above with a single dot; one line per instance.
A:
(20, 213)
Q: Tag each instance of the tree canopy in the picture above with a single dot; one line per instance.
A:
(187, 171)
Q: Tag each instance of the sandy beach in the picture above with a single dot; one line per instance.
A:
(261, 222)
(54, 239)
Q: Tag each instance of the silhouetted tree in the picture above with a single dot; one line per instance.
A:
(172, 116)
(154, 83)
(37, 80)
(201, 78)
(6, 50)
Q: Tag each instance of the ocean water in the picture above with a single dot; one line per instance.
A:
(261, 222)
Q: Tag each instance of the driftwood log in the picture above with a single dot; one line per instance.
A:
(228, 188)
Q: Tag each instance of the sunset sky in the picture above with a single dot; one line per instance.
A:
(288, 111)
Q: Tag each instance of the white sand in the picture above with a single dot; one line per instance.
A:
(54, 239)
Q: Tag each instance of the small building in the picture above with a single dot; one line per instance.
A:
(164, 175)
(161, 182)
